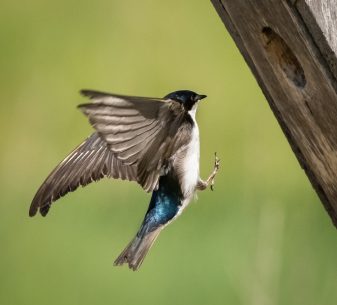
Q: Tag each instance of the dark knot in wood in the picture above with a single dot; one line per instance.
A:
(281, 54)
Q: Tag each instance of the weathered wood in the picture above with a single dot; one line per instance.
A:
(320, 16)
(290, 47)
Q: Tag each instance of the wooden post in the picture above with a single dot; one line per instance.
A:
(291, 48)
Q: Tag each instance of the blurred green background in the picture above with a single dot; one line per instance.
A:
(262, 237)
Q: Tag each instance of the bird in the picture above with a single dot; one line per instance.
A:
(152, 141)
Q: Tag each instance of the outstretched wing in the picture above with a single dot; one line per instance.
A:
(135, 139)
(90, 161)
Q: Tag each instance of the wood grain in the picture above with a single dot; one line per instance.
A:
(296, 77)
(320, 16)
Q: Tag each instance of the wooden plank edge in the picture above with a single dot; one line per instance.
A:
(226, 19)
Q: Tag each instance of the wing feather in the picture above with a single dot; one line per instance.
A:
(91, 161)
(146, 133)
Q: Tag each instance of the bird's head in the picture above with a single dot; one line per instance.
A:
(185, 97)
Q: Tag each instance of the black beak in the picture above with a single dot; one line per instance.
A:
(200, 97)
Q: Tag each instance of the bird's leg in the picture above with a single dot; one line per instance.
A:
(202, 185)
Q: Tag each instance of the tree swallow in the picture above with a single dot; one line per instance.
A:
(153, 141)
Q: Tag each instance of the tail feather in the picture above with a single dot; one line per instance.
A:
(137, 249)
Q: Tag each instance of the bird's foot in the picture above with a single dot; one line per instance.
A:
(202, 185)
(211, 178)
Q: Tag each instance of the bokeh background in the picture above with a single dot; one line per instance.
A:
(262, 237)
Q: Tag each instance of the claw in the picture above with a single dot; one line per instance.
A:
(217, 161)
(216, 168)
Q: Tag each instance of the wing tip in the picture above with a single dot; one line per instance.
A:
(34, 207)
(32, 212)
(86, 107)
(91, 94)
(83, 106)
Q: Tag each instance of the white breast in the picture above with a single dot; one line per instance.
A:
(190, 164)
(186, 165)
